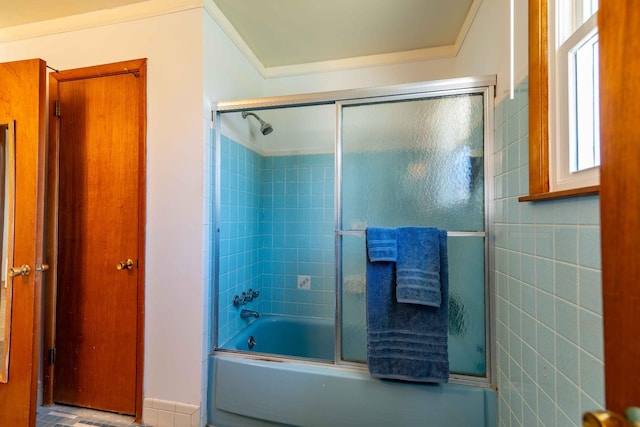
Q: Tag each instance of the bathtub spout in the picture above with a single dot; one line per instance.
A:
(245, 314)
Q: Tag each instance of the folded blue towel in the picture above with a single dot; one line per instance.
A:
(381, 244)
(405, 341)
(418, 267)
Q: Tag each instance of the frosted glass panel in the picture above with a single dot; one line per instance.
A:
(354, 307)
(416, 162)
(466, 303)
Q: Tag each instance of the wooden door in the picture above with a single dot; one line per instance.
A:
(22, 99)
(100, 225)
(619, 199)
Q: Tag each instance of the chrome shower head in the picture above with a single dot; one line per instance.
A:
(265, 127)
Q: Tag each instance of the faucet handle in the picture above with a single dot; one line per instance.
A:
(250, 295)
(239, 300)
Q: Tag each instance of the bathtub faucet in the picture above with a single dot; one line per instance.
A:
(245, 314)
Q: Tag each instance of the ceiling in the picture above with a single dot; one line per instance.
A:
(288, 32)
(283, 33)
(20, 12)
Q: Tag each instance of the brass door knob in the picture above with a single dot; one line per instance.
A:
(603, 419)
(23, 270)
(125, 265)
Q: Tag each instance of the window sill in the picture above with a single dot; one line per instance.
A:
(575, 192)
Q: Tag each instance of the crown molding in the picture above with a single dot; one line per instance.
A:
(98, 18)
(362, 62)
(216, 14)
(466, 25)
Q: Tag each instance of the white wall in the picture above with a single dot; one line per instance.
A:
(174, 44)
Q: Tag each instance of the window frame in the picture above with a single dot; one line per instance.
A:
(539, 146)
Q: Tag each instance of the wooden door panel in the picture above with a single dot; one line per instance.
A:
(619, 199)
(22, 98)
(97, 304)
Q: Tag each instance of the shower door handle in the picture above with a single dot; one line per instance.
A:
(125, 265)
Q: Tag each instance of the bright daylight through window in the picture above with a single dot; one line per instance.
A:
(574, 101)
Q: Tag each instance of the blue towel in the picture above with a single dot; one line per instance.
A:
(418, 267)
(381, 244)
(405, 341)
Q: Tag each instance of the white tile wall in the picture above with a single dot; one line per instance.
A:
(164, 413)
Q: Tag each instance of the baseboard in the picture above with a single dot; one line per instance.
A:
(165, 413)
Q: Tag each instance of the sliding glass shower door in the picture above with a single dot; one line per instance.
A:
(416, 161)
(335, 164)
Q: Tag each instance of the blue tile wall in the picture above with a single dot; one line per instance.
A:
(548, 290)
(276, 222)
(298, 239)
(240, 234)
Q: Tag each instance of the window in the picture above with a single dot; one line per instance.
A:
(564, 132)
(574, 135)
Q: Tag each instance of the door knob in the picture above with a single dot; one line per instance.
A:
(604, 419)
(125, 265)
(23, 270)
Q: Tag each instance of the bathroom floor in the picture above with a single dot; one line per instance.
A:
(63, 416)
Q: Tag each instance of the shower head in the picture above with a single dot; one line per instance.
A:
(265, 127)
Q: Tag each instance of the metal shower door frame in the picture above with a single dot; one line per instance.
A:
(484, 85)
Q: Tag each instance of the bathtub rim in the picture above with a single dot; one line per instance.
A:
(358, 367)
(490, 395)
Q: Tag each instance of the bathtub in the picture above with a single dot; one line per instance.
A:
(287, 336)
(258, 390)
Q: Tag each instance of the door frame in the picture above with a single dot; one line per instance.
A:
(139, 68)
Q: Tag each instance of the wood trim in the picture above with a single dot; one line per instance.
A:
(551, 195)
(133, 66)
(538, 98)
(539, 187)
(619, 199)
(51, 246)
(39, 231)
(142, 221)
(138, 66)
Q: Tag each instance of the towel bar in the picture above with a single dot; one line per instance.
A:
(449, 233)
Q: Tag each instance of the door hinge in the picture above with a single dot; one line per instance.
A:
(52, 356)
(57, 109)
